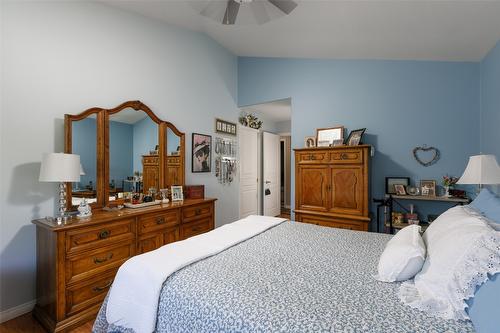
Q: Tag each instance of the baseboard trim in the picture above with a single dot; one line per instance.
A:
(17, 311)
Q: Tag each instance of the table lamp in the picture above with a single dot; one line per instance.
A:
(62, 168)
(481, 170)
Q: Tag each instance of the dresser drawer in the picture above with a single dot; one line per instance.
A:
(98, 236)
(84, 295)
(150, 159)
(196, 228)
(153, 222)
(313, 157)
(332, 222)
(195, 212)
(347, 156)
(89, 264)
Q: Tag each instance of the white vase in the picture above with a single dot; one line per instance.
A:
(447, 191)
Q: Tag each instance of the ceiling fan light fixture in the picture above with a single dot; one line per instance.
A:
(244, 12)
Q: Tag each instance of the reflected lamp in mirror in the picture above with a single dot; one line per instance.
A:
(62, 168)
(481, 170)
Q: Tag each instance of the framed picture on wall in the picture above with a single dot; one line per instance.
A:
(202, 151)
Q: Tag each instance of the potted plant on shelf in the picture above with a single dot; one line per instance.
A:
(448, 183)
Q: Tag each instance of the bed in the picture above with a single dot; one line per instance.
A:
(293, 277)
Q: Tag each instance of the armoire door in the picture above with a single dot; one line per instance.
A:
(345, 192)
(150, 177)
(312, 181)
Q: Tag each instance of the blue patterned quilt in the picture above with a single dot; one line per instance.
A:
(295, 277)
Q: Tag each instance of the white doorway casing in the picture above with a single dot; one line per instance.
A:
(249, 171)
(271, 174)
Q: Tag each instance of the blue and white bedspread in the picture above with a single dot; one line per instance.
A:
(294, 277)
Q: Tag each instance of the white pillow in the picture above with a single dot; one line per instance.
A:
(461, 250)
(403, 256)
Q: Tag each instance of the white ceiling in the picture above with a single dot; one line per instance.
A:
(398, 29)
(276, 111)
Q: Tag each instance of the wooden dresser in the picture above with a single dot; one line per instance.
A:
(77, 262)
(332, 186)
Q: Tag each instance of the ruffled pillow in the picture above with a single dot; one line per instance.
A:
(462, 249)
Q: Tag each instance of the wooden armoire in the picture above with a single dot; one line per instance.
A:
(332, 186)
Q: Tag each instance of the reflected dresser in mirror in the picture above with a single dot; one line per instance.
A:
(123, 150)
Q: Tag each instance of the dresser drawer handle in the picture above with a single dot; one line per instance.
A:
(101, 260)
(313, 157)
(104, 234)
(160, 220)
(197, 211)
(344, 156)
(101, 288)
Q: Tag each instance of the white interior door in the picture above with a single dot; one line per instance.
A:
(249, 171)
(271, 174)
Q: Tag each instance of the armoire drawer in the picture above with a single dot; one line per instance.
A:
(95, 237)
(158, 221)
(332, 222)
(313, 157)
(347, 156)
(92, 263)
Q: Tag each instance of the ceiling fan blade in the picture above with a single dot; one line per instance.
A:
(286, 6)
(231, 12)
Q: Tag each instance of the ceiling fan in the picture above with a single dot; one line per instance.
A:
(230, 12)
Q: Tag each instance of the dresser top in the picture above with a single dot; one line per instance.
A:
(100, 216)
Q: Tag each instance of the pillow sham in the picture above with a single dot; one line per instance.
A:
(403, 256)
(488, 204)
(462, 249)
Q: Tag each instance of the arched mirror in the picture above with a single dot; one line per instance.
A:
(123, 150)
(134, 159)
(82, 137)
(175, 156)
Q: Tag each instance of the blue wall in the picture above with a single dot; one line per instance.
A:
(173, 141)
(145, 139)
(120, 152)
(402, 104)
(490, 102)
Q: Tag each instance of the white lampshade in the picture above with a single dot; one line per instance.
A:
(481, 169)
(59, 167)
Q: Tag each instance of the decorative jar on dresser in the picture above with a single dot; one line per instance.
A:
(77, 261)
(332, 186)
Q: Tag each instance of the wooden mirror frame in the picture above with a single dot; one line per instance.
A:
(102, 149)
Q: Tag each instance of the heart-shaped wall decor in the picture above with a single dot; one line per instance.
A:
(426, 161)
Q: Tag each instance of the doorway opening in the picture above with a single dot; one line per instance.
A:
(267, 155)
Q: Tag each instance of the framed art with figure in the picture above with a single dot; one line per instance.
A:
(202, 149)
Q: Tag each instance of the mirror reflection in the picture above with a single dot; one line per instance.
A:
(84, 143)
(133, 154)
(173, 157)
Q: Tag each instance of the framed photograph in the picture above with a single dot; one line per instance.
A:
(202, 149)
(428, 187)
(310, 142)
(400, 189)
(326, 136)
(225, 127)
(337, 143)
(177, 194)
(355, 137)
(391, 181)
